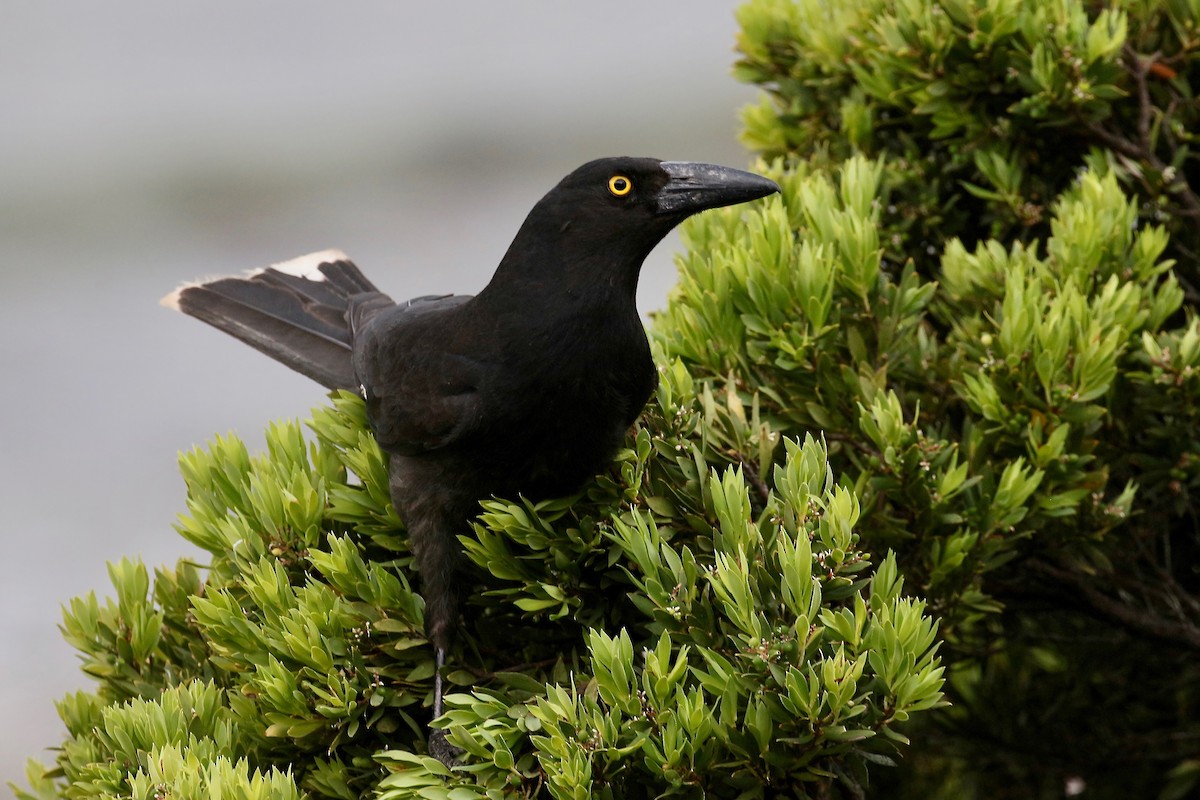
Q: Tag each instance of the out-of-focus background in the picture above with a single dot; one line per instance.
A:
(142, 145)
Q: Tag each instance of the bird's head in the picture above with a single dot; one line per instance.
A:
(620, 208)
(658, 194)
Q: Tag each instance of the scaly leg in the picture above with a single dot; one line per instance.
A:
(437, 683)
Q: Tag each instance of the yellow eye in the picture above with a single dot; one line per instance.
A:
(620, 185)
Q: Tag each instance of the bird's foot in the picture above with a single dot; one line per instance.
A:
(441, 749)
(439, 746)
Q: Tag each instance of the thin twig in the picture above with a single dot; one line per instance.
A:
(1139, 67)
(1173, 594)
(1114, 141)
(1138, 622)
(1143, 150)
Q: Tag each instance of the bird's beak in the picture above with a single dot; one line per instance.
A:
(695, 187)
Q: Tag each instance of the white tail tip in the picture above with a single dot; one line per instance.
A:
(307, 266)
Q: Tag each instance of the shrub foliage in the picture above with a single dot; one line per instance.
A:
(701, 620)
(1028, 320)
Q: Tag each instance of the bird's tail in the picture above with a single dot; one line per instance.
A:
(301, 313)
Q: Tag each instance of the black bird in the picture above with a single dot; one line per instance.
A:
(526, 388)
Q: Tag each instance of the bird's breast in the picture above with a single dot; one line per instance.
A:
(569, 399)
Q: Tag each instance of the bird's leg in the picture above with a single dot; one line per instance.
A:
(439, 748)
(432, 514)
(440, 660)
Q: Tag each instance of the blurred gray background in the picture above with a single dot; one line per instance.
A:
(143, 144)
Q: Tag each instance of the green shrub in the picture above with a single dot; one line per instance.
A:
(985, 109)
(701, 621)
(1005, 364)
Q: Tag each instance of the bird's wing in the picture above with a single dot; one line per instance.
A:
(421, 395)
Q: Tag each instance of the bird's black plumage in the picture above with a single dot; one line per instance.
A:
(526, 388)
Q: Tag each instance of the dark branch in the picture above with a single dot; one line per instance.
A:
(1138, 67)
(1143, 149)
(1137, 621)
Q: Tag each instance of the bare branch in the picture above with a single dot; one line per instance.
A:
(1138, 621)
(1139, 66)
